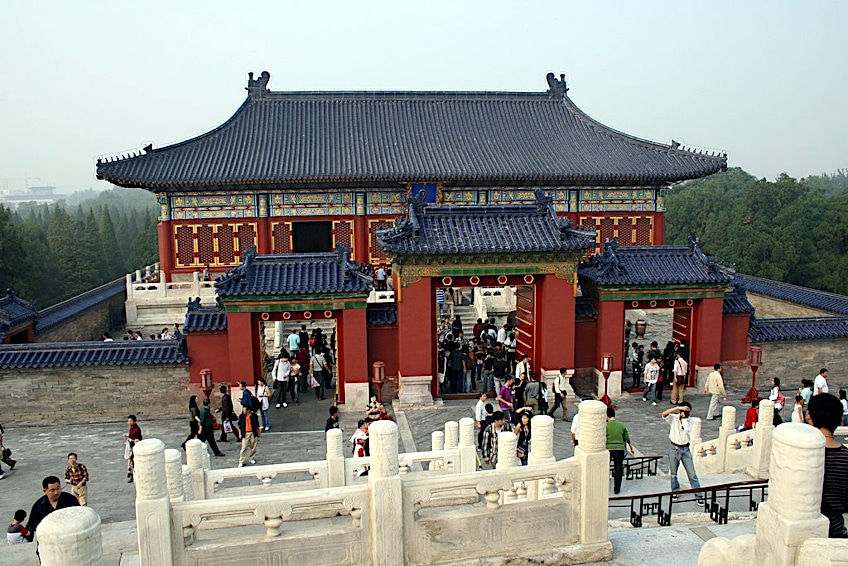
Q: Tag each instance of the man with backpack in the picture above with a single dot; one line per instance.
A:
(681, 375)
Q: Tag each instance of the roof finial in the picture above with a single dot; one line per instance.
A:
(258, 88)
(556, 87)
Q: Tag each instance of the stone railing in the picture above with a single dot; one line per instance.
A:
(500, 300)
(736, 452)
(144, 287)
(394, 517)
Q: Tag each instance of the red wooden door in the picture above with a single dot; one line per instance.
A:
(682, 330)
(525, 321)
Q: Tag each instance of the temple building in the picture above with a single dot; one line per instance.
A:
(295, 200)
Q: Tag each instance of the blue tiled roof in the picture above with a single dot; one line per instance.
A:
(431, 229)
(369, 137)
(822, 300)
(651, 265)
(71, 354)
(736, 302)
(381, 314)
(204, 317)
(806, 328)
(296, 274)
(585, 309)
(14, 311)
(59, 313)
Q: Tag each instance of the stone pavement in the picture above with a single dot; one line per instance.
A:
(41, 450)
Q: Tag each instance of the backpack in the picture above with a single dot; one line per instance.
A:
(255, 404)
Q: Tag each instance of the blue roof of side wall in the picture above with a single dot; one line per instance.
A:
(59, 313)
(77, 354)
(822, 300)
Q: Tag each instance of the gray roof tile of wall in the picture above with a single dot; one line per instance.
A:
(76, 354)
(805, 328)
(296, 274)
(622, 266)
(585, 309)
(813, 298)
(201, 318)
(59, 313)
(320, 137)
(432, 229)
(381, 314)
(14, 311)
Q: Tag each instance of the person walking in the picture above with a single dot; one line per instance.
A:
(264, 396)
(132, 437)
(651, 374)
(76, 475)
(250, 433)
(228, 413)
(560, 394)
(480, 418)
(714, 387)
(617, 438)
(280, 375)
(206, 433)
(193, 420)
(52, 500)
(681, 375)
(5, 454)
(679, 453)
(820, 382)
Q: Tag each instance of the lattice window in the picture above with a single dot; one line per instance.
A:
(374, 249)
(205, 245)
(226, 246)
(246, 237)
(281, 238)
(342, 234)
(625, 232)
(185, 246)
(643, 232)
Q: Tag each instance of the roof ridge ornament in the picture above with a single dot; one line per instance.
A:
(543, 201)
(556, 87)
(258, 88)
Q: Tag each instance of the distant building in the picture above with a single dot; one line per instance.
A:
(35, 195)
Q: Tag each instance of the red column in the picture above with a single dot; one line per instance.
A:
(555, 309)
(353, 349)
(360, 239)
(263, 236)
(242, 338)
(166, 248)
(416, 331)
(659, 229)
(707, 335)
(610, 333)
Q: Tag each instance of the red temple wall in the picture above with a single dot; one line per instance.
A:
(353, 347)
(708, 332)
(585, 343)
(383, 347)
(555, 309)
(610, 333)
(734, 337)
(210, 350)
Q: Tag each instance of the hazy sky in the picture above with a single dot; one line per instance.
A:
(763, 80)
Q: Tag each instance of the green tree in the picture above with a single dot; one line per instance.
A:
(112, 264)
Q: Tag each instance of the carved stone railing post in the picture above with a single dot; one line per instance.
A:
(593, 458)
(335, 458)
(695, 431)
(196, 457)
(188, 484)
(71, 537)
(728, 427)
(759, 466)
(507, 450)
(792, 512)
(152, 506)
(452, 440)
(467, 446)
(437, 442)
(385, 492)
(174, 472)
(541, 450)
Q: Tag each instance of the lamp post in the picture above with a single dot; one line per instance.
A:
(755, 360)
(606, 368)
(206, 381)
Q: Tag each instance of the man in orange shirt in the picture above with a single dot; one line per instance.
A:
(250, 433)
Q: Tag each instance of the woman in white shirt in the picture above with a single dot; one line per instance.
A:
(776, 395)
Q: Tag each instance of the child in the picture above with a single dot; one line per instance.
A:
(17, 533)
(798, 410)
(359, 452)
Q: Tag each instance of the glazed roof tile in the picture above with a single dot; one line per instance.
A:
(432, 229)
(585, 309)
(296, 274)
(204, 317)
(75, 354)
(736, 302)
(59, 313)
(806, 328)
(14, 311)
(367, 137)
(814, 298)
(622, 266)
(381, 314)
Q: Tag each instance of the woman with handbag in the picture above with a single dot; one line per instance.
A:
(228, 415)
(522, 430)
(193, 420)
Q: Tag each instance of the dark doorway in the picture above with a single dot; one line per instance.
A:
(310, 237)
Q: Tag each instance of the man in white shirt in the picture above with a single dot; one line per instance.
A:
(502, 334)
(480, 418)
(280, 373)
(681, 375)
(560, 394)
(820, 383)
(679, 453)
(715, 387)
(294, 341)
(574, 427)
(523, 368)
